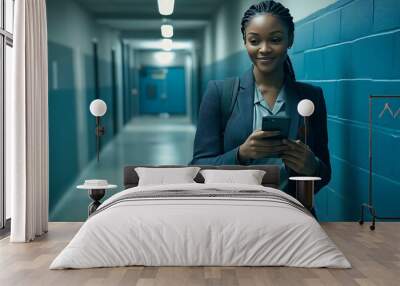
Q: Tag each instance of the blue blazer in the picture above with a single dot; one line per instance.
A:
(214, 146)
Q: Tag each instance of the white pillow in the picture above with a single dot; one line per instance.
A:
(163, 176)
(248, 177)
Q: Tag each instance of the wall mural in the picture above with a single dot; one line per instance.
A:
(387, 109)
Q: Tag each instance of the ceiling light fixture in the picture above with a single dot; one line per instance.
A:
(164, 58)
(166, 7)
(166, 44)
(167, 31)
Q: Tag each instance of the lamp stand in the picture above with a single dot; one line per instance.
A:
(99, 132)
(305, 129)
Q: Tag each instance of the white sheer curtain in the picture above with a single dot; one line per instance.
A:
(27, 124)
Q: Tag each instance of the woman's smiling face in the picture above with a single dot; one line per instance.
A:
(267, 40)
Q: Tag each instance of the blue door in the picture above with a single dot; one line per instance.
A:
(162, 90)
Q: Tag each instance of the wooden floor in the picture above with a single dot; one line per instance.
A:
(375, 257)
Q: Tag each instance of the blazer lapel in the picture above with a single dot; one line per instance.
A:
(246, 101)
(293, 98)
(245, 105)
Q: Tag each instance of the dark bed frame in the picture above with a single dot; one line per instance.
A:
(270, 179)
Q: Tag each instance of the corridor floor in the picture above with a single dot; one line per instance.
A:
(143, 141)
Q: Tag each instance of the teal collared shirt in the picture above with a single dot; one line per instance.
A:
(261, 109)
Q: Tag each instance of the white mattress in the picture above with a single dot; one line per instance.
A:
(200, 231)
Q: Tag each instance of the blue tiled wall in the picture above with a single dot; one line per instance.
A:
(351, 49)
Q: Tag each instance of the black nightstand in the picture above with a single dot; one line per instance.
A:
(305, 190)
(96, 190)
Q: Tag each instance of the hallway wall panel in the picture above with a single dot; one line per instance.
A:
(63, 135)
(71, 32)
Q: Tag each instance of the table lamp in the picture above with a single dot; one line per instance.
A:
(98, 108)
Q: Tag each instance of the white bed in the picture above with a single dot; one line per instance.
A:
(208, 230)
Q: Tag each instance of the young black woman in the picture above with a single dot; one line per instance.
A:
(268, 88)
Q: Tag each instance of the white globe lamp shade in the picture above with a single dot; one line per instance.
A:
(305, 107)
(98, 107)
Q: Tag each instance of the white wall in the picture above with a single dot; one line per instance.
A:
(146, 58)
(222, 36)
(71, 25)
(208, 44)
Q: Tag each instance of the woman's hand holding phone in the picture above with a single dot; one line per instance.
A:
(295, 154)
(299, 157)
(260, 144)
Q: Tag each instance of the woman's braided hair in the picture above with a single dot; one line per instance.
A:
(278, 10)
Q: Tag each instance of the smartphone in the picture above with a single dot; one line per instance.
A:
(277, 123)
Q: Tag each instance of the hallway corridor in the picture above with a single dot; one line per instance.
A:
(143, 141)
